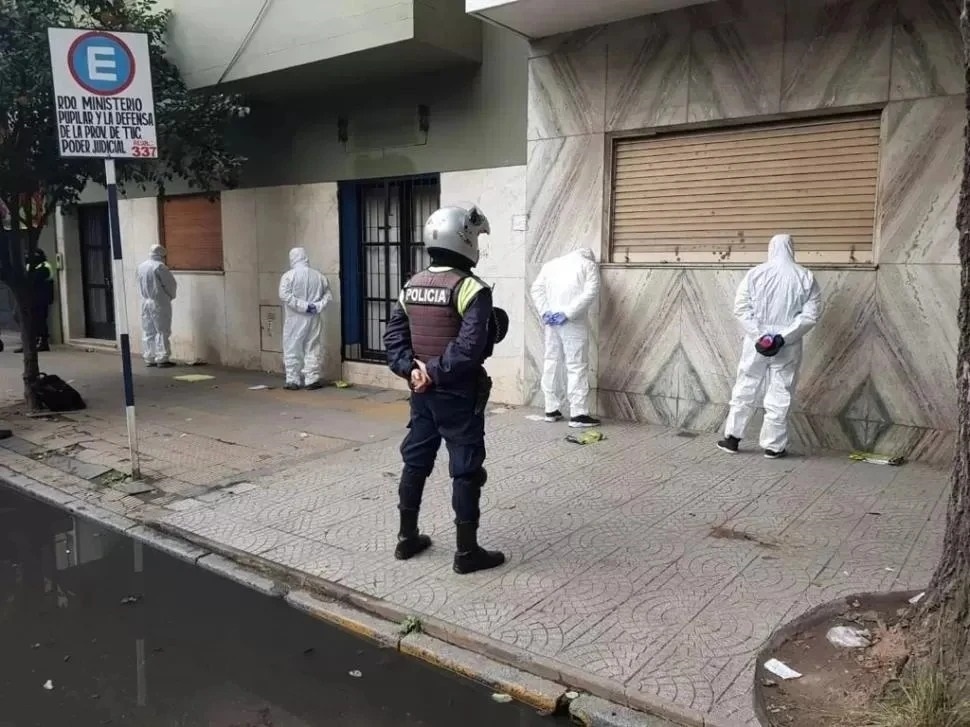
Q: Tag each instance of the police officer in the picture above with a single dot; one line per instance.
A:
(438, 337)
(40, 278)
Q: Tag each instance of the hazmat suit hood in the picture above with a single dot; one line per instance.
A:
(298, 257)
(587, 253)
(157, 253)
(781, 250)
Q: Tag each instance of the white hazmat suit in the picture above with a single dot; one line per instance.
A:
(157, 287)
(305, 293)
(567, 285)
(778, 297)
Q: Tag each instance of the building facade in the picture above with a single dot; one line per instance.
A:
(365, 117)
(671, 136)
(676, 143)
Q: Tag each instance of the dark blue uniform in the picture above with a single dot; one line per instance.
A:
(453, 409)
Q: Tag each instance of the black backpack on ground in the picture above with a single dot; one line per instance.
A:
(55, 394)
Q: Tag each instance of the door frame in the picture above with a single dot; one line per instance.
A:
(99, 331)
(357, 345)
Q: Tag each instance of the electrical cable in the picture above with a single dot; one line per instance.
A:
(245, 42)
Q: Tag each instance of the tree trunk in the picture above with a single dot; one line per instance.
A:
(24, 300)
(943, 621)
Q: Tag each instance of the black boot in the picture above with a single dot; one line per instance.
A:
(470, 556)
(43, 344)
(410, 542)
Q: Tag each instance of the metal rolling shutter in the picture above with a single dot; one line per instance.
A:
(719, 192)
(192, 232)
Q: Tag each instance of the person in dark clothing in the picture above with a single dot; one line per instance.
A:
(438, 337)
(40, 278)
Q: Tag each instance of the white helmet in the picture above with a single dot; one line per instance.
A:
(456, 229)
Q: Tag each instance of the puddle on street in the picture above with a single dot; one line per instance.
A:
(97, 630)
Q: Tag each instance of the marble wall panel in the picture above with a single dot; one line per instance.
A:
(629, 407)
(837, 53)
(914, 337)
(837, 356)
(567, 92)
(710, 336)
(933, 446)
(639, 341)
(569, 42)
(647, 72)
(927, 49)
(736, 66)
(919, 181)
(564, 184)
(810, 434)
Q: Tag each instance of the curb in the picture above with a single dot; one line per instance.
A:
(537, 681)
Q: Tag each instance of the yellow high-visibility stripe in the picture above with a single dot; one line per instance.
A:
(467, 290)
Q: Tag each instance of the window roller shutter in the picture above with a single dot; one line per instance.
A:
(731, 190)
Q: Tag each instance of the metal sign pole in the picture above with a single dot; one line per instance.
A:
(106, 109)
(121, 313)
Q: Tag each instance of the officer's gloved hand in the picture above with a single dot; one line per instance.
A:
(547, 318)
(558, 319)
(311, 309)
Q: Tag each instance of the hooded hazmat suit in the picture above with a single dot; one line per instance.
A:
(305, 293)
(158, 288)
(567, 285)
(778, 297)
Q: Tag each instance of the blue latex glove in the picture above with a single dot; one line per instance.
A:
(311, 309)
(547, 318)
(557, 319)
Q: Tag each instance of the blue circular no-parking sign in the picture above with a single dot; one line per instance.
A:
(101, 63)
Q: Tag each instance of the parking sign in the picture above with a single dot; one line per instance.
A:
(103, 94)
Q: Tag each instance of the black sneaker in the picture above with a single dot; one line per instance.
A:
(729, 445)
(771, 454)
(292, 387)
(584, 421)
(553, 416)
(315, 386)
(166, 365)
(151, 364)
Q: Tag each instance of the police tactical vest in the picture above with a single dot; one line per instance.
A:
(431, 301)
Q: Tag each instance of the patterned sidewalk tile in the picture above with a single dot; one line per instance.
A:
(649, 558)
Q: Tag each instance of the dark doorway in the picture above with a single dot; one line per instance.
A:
(99, 310)
(390, 216)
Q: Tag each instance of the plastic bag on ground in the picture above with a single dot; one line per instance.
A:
(849, 637)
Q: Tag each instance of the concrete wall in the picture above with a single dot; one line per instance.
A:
(879, 369)
(477, 121)
(216, 40)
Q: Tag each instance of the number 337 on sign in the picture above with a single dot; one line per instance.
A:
(143, 149)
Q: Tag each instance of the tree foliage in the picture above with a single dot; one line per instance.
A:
(192, 129)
